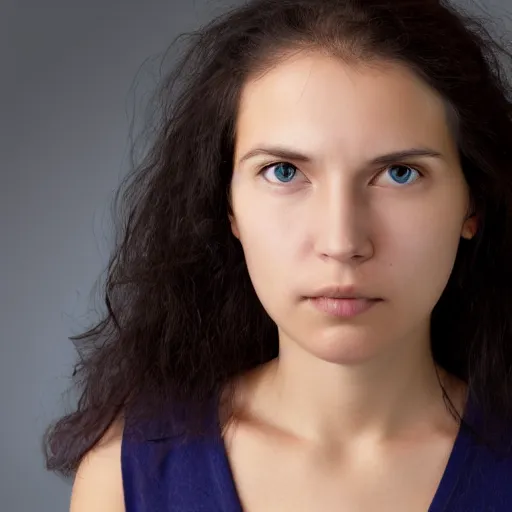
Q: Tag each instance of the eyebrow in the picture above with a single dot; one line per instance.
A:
(389, 158)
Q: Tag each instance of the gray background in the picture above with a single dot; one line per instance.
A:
(73, 76)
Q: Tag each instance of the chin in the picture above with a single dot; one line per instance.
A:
(344, 348)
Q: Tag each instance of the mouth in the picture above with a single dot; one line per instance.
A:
(341, 292)
(342, 301)
(343, 307)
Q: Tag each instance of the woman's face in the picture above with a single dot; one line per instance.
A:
(317, 203)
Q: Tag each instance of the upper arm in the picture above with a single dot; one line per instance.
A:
(98, 484)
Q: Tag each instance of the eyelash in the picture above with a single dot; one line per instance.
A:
(397, 164)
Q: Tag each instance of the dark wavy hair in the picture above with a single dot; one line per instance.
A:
(182, 318)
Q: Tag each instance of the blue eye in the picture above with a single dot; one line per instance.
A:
(403, 174)
(283, 171)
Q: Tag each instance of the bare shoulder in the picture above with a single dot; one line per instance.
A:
(98, 483)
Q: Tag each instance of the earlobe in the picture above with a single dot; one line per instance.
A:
(234, 227)
(470, 227)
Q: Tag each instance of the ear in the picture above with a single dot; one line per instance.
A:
(234, 226)
(469, 228)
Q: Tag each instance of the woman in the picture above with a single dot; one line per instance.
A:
(309, 305)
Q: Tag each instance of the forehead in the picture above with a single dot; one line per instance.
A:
(320, 101)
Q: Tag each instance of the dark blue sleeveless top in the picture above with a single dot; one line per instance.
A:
(161, 473)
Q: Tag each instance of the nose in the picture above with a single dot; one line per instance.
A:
(342, 230)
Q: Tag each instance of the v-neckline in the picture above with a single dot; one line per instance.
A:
(459, 459)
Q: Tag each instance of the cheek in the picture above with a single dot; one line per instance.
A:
(269, 239)
(263, 223)
(421, 253)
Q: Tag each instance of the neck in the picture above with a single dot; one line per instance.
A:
(330, 403)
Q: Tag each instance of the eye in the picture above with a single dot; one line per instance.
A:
(280, 172)
(401, 174)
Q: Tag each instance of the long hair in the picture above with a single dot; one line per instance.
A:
(182, 318)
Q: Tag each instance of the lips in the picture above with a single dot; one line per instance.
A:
(343, 307)
(342, 301)
(341, 292)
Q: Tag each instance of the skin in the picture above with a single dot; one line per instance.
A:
(365, 385)
(350, 415)
(98, 484)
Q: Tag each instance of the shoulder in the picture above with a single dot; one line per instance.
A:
(98, 483)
